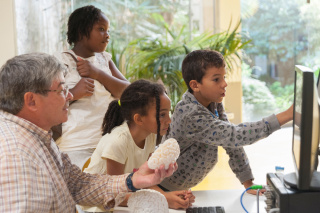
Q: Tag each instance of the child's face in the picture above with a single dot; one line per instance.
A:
(150, 121)
(99, 36)
(212, 87)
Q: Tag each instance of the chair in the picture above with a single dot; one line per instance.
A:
(86, 164)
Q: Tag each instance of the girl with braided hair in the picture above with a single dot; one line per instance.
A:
(132, 127)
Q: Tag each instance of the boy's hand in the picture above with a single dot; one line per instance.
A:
(285, 116)
(146, 177)
(85, 87)
(248, 184)
(87, 69)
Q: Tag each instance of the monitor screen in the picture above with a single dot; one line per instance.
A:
(318, 85)
(305, 127)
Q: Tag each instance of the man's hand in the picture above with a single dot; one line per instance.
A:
(85, 87)
(146, 177)
(248, 184)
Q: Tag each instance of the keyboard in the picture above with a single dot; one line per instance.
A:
(207, 209)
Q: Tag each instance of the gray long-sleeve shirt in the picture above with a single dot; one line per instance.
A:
(200, 130)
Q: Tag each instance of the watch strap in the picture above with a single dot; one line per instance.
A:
(130, 184)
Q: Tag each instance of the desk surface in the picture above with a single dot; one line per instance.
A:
(229, 199)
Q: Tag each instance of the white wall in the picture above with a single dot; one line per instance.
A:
(7, 31)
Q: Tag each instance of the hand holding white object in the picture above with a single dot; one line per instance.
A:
(146, 177)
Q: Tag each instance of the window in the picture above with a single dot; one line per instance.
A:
(284, 34)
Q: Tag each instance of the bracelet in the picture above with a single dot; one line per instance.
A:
(130, 184)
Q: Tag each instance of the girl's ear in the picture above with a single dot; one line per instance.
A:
(194, 85)
(137, 118)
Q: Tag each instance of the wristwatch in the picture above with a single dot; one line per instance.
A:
(130, 184)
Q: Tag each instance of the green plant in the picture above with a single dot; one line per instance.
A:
(260, 98)
(258, 101)
(161, 58)
(283, 95)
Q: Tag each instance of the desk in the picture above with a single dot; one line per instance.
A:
(229, 199)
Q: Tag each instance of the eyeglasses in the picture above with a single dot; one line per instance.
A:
(65, 90)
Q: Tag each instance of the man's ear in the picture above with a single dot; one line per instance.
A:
(137, 118)
(194, 85)
(30, 101)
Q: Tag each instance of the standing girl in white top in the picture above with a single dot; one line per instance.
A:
(93, 79)
(129, 129)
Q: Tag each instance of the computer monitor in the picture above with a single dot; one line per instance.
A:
(305, 141)
(318, 85)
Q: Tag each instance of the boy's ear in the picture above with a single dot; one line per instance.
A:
(137, 118)
(194, 85)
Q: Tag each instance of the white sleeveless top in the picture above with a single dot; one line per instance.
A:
(83, 128)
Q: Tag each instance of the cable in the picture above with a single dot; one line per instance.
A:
(252, 187)
(241, 199)
(258, 200)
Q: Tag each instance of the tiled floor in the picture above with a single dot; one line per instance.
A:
(263, 155)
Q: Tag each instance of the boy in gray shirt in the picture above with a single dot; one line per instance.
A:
(200, 125)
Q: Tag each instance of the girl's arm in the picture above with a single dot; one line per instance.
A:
(114, 167)
(114, 83)
(85, 87)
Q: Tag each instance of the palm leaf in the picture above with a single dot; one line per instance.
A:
(155, 58)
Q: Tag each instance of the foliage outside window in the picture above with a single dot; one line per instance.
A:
(284, 34)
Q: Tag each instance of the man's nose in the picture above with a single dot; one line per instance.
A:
(69, 96)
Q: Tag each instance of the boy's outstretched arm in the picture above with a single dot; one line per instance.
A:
(285, 116)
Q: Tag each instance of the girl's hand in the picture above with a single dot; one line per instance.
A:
(146, 177)
(179, 199)
(87, 69)
(189, 195)
(85, 87)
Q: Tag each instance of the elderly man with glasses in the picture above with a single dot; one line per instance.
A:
(34, 175)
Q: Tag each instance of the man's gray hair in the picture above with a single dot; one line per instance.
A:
(33, 72)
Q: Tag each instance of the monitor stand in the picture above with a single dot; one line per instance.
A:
(291, 180)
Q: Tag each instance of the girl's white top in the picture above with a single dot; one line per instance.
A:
(83, 128)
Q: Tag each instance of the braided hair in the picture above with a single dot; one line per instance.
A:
(136, 98)
(157, 97)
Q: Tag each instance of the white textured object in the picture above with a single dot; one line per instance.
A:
(168, 152)
(148, 201)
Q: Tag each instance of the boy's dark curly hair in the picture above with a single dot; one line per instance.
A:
(136, 98)
(81, 22)
(196, 63)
